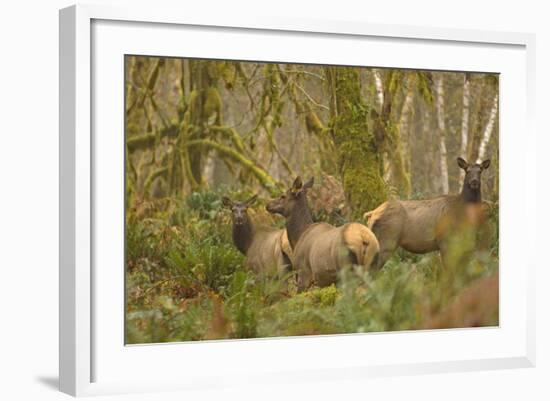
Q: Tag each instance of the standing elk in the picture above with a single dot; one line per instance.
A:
(321, 250)
(448, 223)
(267, 250)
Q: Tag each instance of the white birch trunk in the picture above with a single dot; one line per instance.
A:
(430, 134)
(441, 130)
(406, 111)
(404, 119)
(209, 168)
(465, 123)
(379, 88)
(486, 137)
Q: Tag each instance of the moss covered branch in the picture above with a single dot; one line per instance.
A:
(261, 175)
(147, 141)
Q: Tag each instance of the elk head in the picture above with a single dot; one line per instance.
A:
(239, 215)
(472, 179)
(287, 202)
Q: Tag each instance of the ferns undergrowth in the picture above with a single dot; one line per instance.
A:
(186, 281)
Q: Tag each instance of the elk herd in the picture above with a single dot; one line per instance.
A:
(317, 251)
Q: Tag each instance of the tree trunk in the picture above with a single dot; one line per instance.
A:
(403, 129)
(379, 88)
(358, 155)
(386, 134)
(440, 111)
(465, 123)
(204, 108)
(431, 186)
(486, 137)
(209, 169)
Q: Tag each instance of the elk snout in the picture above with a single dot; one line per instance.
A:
(474, 184)
(272, 207)
(239, 219)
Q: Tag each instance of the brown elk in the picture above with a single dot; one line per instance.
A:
(267, 250)
(321, 250)
(447, 223)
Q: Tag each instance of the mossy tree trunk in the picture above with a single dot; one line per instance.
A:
(386, 132)
(204, 110)
(358, 155)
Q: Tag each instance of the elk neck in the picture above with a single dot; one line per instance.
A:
(242, 235)
(470, 195)
(299, 220)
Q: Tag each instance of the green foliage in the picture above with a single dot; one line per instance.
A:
(243, 303)
(186, 281)
(207, 204)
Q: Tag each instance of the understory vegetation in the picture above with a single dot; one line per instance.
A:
(186, 281)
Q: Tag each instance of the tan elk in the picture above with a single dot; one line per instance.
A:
(447, 223)
(321, 250)
(267, 250)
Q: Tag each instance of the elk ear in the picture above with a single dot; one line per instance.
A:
(463, 164)
(226, 202)
(251, 201)
(308, 184)
(297, 185)
(485, 165)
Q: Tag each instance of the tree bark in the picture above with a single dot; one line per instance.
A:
(379, 88)
(386, 134)
(403, 128)
(204, 108)
(486, 137)
(209, 168)
(465, 123)
(440, 111)
(358, 154)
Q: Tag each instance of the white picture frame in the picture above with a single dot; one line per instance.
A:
(85, 330)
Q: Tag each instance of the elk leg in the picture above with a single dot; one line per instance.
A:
(387, 248)
(444, 254)
(304, 279)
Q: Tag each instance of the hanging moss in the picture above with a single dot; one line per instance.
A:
(228, 73)
(358, 156)
(213, 105)
(394, 149)
(194, 103)
(424, 83)
(313, 123)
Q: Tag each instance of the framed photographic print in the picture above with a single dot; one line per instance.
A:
(317, 200)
